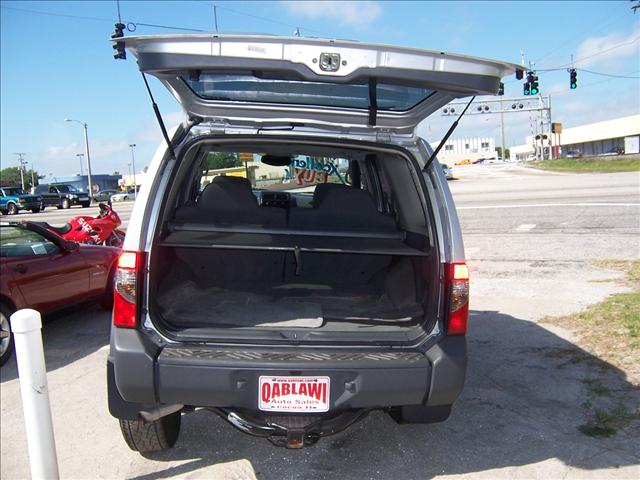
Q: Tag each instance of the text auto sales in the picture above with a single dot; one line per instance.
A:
(270, 393)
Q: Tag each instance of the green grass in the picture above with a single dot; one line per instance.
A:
(605, 424)
(610, 331)
(590, 165)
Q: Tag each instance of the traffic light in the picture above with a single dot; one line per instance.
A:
(501, 89)
(535, 89)
(119, 53)
(528, 86)
(573, 79)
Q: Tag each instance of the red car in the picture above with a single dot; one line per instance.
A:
(43, 271)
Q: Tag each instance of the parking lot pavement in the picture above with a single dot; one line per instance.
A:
(518, 416)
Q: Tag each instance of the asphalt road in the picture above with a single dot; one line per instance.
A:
(530, 238)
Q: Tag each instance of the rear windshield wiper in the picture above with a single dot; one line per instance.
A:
(448, 134)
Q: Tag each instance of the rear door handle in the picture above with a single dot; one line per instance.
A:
(20, 268)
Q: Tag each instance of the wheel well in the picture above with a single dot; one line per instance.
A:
(5, 301)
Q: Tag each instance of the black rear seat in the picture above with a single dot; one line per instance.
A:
(340, 207)
(229, 201)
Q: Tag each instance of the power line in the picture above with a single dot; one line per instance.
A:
(592, 30)
(278, 22)
(595, 83)
(599, 53)
(604, 74)
(102, 19)
(169, 27)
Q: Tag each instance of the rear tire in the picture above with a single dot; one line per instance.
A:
(116, 239)
(147, 437)
(35, 210)
(6, 338)
(65, 203)
(85, 205)
(420, 414)
(12, 209)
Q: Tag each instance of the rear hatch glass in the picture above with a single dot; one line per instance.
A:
(263, 81)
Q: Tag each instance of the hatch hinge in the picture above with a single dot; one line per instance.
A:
(217, 126)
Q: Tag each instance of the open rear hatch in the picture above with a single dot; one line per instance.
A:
(291, 279)
(332, 84)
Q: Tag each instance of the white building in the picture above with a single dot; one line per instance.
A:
(459, 149)
(619, 134)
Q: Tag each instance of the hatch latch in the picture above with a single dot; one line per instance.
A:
(330, 62)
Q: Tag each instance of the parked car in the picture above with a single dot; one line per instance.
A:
(448, 171)
(492, 160)
(62, 196)
(123, 196)
(105, 195)
(41, 270)
(13, 199)
(573, 154)
(295, 316)
(613, 151)
(466, 161)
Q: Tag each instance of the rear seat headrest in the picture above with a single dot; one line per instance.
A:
(228, 192)
(336, 196)
(322, 190)
(220, 179)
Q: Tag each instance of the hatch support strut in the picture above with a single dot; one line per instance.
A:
(448, 134)
(156, 110)
(373, 102)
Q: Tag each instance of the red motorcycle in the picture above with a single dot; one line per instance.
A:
(101, 230)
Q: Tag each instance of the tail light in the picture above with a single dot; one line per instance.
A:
(126, 289)
(459, 299)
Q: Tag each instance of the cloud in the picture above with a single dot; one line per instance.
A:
(356, 14)
(614, 47)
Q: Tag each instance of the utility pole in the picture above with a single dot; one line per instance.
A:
(133, 164)
(504, 155)
(33, 180)
(86, 150)
(22, 162)
(80, 156)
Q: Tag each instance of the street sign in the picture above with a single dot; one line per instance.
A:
(556, 127)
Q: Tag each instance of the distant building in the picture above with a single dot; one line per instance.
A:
(81, 182)
(620, 134)
(459, 149)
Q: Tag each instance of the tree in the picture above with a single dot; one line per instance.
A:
(499, 150)
(10, 177)
(216, 160)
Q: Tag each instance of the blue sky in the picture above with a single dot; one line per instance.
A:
(58, 65)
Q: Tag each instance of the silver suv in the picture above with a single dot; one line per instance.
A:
(295, 260)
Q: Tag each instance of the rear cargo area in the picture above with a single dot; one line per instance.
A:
(330, 291)
(297, 254)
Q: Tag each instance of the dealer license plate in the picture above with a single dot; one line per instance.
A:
(293, 394)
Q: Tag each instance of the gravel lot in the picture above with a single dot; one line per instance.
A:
(531, 238)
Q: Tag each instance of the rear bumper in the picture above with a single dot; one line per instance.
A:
(28, 205)
(147, 374)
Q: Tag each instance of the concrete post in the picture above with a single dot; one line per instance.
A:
(25, 326)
